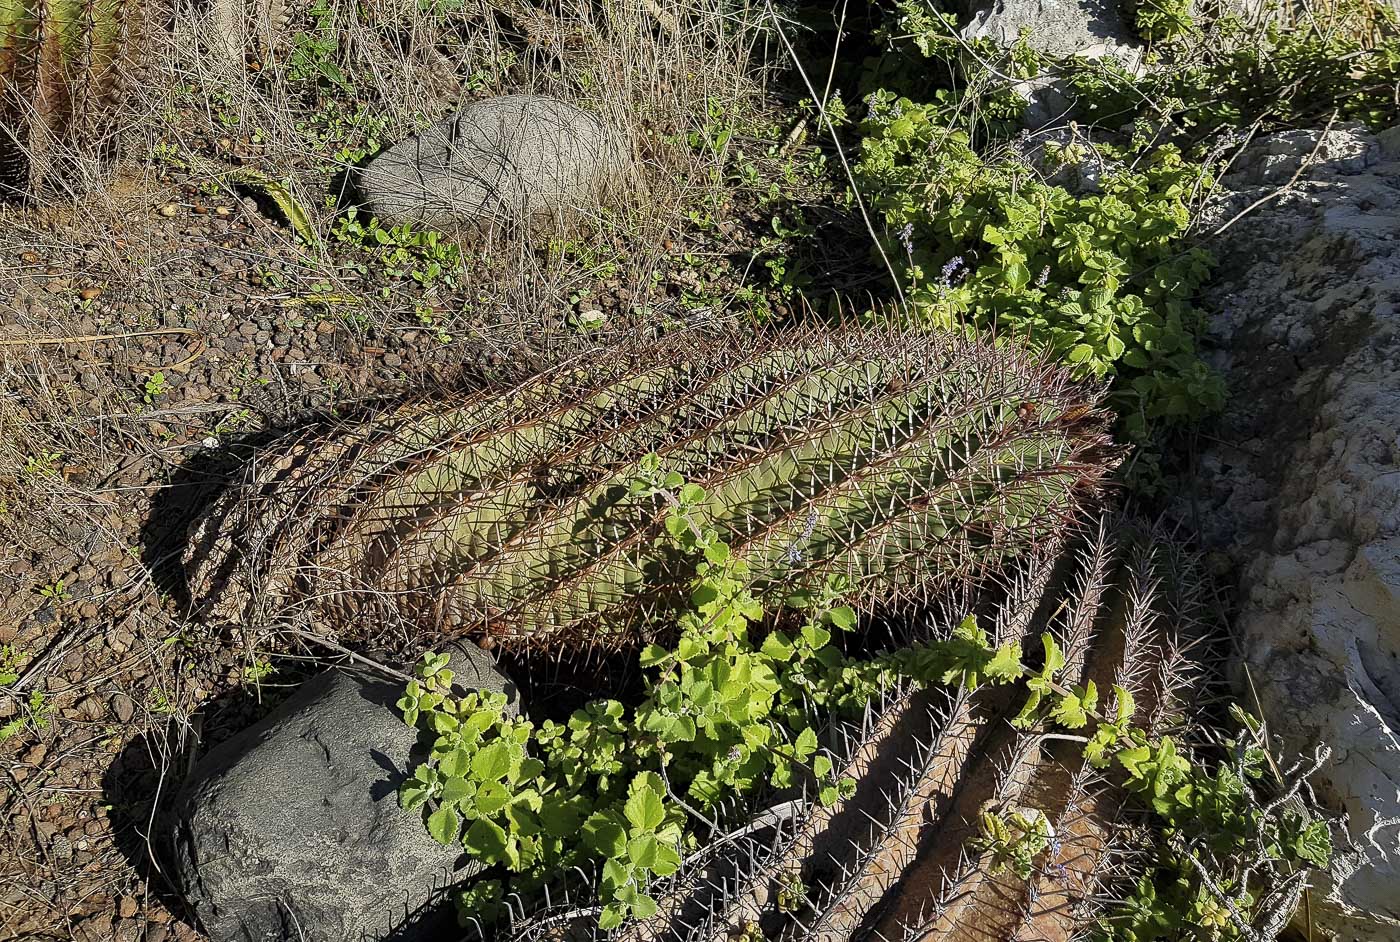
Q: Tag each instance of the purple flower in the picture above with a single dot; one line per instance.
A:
(794, 554)
(1044, 277)
(953, 269)
(906, 237)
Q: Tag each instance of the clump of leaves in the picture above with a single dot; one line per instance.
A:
(1014, 839)
(1162, 20)
(927, 59)
(1099, 279)
(1233, 853)
(722, 715)
(1281, 76)
(401, 252)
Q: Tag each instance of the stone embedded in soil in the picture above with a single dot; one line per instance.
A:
(293, 830)
(498, 160)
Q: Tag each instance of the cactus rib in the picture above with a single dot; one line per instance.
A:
(895, 860)
(904, 462)
(61, 63)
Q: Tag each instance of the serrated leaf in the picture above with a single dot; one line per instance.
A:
(491, 798)
(412, 796)
(1072, 710)
(1314, 844)
(644, 809)
(486, 840)
(1027, 715)
(560, 817)
(605, 835)
(455, 789)
(642, 851)
(445, 824)
(1005, 666)
(644, 907)
(654, 654)
(611, 917)
(455, 763)
(492, 762)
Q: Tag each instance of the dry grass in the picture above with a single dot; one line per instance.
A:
(182, 316)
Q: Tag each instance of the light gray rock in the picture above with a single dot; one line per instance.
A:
(1090, 29)
(292, 829)
(499, 160)
(1301, 488)
(1347, 149)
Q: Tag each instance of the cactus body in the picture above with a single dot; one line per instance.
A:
(896, 860)
(902, 462)
(60, 67)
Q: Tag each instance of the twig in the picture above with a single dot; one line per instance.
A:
(1275, 194)
(94, 338)
(840, 151)
(368, 662)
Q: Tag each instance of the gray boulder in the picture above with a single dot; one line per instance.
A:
(1348, 148)
(1090, 29)
(292, 829)
(515, 158)
(1299, 487)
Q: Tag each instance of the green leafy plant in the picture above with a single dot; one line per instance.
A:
(1013, 840)
(10, 662)
(1101, 280)
(56, 591)
(154, 387)
(425, 257)
(722, 716)
(927, 57)
(1162, 20)
(314, 52)
(1347, 63)
(34, 714)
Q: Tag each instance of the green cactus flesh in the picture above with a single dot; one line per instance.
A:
(901, 462)
(59, 64)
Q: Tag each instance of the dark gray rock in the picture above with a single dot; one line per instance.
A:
(292, 829)
(499, 160)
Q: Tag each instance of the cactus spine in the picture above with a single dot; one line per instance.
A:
(902, 462)
(60, 66)
(896, 859)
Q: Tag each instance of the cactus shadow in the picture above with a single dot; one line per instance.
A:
(142, 782)
(188, 493)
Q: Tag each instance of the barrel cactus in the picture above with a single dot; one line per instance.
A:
(903, 463)
(903, 855)
(60, 68)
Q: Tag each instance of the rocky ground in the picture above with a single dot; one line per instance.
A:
(154, 331)
(151, 332)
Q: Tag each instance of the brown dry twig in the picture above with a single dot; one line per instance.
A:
(95, 338)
